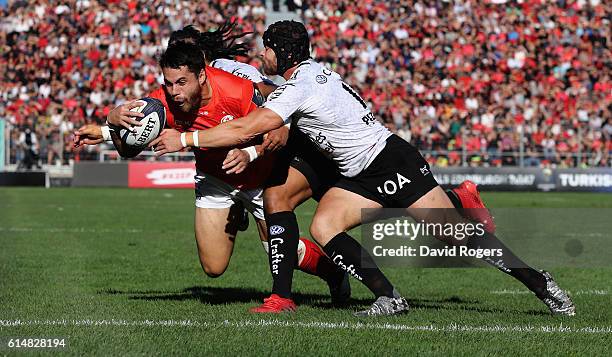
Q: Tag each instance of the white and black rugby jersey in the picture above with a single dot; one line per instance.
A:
(332, 114)
(239, 69)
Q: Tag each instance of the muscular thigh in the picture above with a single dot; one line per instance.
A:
(435, 207)
(215, 231)
(338, 211)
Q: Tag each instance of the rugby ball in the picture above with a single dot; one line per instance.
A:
(153, 123)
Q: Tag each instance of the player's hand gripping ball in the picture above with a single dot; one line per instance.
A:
(153, 122)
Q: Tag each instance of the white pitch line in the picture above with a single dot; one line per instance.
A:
(316, 325)
(591, 292)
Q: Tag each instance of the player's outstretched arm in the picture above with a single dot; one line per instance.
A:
(228, 134)
(92, 134)
(240, 131)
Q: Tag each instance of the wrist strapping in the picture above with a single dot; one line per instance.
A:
(196, 139)
(252, 153)
(184, 139)
(106, 135)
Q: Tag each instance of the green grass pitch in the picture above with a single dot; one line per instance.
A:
(116, 271)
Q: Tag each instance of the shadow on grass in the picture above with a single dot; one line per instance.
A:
(229, 295)
(537, 313)
(456, 303)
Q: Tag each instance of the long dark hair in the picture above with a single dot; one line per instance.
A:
(215, 44)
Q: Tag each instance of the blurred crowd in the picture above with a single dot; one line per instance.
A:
(67, 63)
(474, 82)
(479, 80)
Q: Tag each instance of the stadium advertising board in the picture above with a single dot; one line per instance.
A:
(161, 174)
(96, 174)
(528, 179)
(24, 178)
(592, 180)
(180, 175)
(498, 178)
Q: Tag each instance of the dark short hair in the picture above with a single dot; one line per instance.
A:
(183, 54)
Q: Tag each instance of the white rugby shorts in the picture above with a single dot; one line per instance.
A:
(211, 192)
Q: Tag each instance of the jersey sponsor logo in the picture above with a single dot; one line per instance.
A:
(278, 91)
(227, 118)
(275, 256)
(239, 74)
(390, 187)
(349, 269)
(276, 230)
(321, 79)
(320, 138)
(322, 143)
(425, 171)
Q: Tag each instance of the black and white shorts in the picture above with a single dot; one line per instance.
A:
(397, 177)
(212, 192)
(301, 154)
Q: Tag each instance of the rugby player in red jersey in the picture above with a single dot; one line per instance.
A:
(301, 171)
(283, 192)
(199, 97)
(316, 101)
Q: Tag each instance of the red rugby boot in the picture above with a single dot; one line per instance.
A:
(275, 305)
(473, 207)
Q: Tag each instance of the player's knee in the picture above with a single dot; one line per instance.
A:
(323, 229)
(213, 270)
(276, 201)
